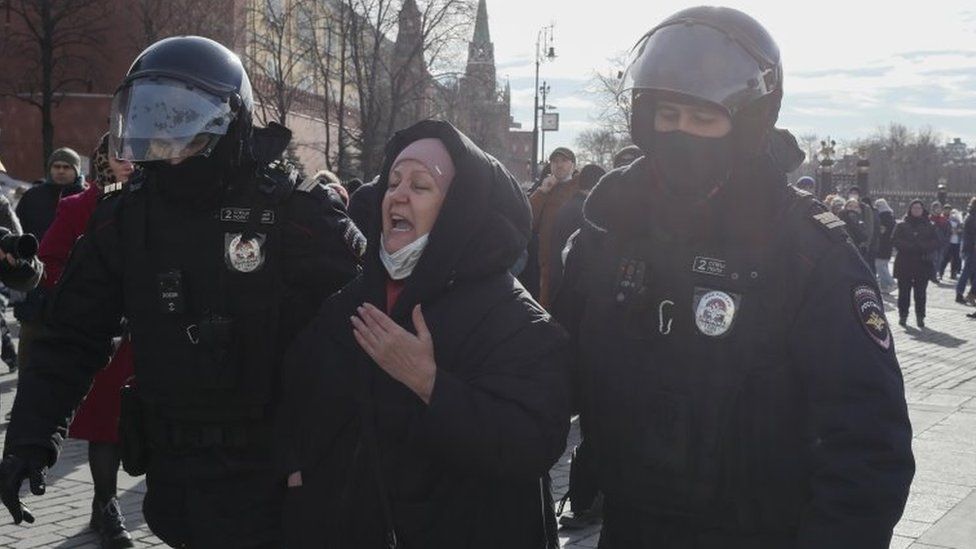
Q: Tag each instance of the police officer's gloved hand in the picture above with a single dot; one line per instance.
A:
(23, 462)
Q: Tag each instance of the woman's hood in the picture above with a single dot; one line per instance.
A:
(483, 227)
(882, 206)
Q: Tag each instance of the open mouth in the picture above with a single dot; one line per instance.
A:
(400, 224)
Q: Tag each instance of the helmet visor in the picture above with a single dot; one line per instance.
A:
(699, 61)
(164, 119)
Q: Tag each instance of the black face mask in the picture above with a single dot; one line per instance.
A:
(195, 181)
(692, 166)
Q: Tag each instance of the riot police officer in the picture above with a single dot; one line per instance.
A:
(736, 366)
(216, 258)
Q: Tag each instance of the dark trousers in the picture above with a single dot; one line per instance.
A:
(908, 286)
(8, 353)
(29, 330)
(583, 484)
(629, 529)
(952, 259)
(240, 511)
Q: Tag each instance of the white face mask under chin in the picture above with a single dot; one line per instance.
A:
(400, 264)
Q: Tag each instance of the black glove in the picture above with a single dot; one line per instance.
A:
(20, 463)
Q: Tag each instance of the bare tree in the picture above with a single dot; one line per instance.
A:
(59, 42)
(442, 29)
(613, 108)
(323, 41)
(390, 82)
(277, 59)
(369, 23)
(214, 19)
(598, 145)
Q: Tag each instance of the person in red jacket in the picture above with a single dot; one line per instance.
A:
(97, 418)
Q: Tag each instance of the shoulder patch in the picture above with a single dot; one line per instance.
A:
(869, 311)
(829, 220)
(112, 189)
(830, 225)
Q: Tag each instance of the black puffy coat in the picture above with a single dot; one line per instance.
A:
(916, 239)
(886, 221)
(968, 247)
(856, 228)
(114, 271)
(37, 207)
(464, 471)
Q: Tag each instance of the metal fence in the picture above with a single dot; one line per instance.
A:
(899, 200)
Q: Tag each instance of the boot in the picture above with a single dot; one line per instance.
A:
(9, 355)
(108, 522)
(960, 299)
(577, 520)
(920, 320)
(903, 320)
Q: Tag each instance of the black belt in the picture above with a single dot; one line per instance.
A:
(185, 435)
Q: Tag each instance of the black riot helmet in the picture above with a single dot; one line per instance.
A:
(182, 97)
(713, 55)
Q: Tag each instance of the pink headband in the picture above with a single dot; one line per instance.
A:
(431, 152)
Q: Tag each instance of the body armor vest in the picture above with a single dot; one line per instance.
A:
(690, 391)
(202, 293)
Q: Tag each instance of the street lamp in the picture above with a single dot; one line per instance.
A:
(544, 50)
(544, 89)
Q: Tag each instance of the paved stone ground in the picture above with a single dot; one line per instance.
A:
(939, 366)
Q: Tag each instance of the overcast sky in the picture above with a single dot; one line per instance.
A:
(851, 65)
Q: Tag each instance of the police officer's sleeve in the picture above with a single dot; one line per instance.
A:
(858, 429)
(567, 309)
(74, 342)
(322, 250)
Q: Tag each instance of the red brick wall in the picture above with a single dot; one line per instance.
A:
(79, 119)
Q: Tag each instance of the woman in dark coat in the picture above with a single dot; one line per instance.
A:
(440, 439)
(916, 240)
(851, 214)
(886, 219)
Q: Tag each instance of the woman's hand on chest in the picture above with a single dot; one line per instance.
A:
(406, 357)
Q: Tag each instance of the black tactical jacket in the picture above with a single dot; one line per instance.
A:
(741, 386)
(210, 311)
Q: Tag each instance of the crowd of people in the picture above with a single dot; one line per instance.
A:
(313, 363)
(924, 243)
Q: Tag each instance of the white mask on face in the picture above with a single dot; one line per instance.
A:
(400, 263)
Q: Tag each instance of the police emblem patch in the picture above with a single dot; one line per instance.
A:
(244, 255)
(714, 312)
(870, 313)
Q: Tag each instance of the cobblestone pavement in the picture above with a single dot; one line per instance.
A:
(939, 366)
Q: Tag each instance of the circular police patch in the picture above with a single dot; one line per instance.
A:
(870, 312)
(714, 313)
(244, 255)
